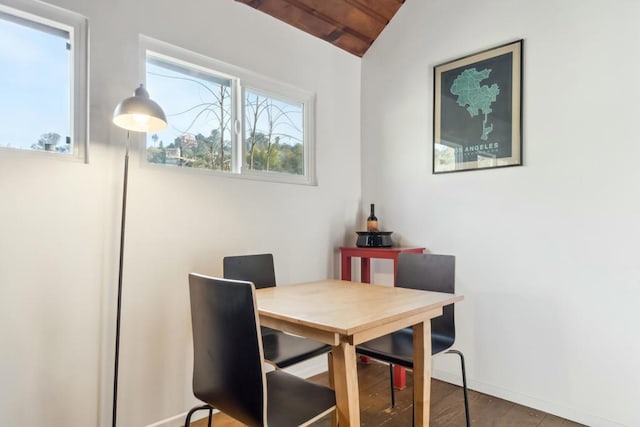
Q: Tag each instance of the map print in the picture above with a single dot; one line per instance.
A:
(474, 97)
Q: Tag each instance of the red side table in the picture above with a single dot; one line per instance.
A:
(365, 255)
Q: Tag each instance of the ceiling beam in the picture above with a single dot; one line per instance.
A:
(329, 20)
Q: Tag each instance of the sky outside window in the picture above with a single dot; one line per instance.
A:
(35, 92)
(187, 98)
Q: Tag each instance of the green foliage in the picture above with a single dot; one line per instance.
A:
(282, 157)
(156, 155)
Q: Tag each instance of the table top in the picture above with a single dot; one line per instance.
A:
(349, 308)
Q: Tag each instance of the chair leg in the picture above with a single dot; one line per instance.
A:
(393, 393)
(187, 422)
(464, 385)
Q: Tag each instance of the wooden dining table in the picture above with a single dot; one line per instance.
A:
(345, 314)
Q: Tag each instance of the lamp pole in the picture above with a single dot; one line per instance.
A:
(139, 114)
(120, 270)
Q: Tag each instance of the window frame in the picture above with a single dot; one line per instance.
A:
(242, 80)
(77, 27)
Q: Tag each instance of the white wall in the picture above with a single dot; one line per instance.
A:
(547, 252)
(59, 222)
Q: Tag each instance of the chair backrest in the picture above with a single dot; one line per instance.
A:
(228, 372)
(258, 269)
(431, 272)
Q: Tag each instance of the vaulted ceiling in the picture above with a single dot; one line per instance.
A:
(349, 24)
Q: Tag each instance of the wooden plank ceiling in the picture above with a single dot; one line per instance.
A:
(349, 24)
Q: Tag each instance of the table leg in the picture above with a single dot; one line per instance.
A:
(345, 268)
(365, 270)
(422, 373)
(365, 277)
(399, 377)
(395, 268)
(345, 379)
(399, 373)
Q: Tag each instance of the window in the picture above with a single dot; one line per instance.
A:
(227, 120)
(42, 78)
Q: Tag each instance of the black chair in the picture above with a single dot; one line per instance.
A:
(280, 349)
(430, 273)
(228, 368)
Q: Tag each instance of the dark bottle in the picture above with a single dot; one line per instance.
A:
(372, 220)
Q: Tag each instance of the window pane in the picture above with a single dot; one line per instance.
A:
(35, 83)
(224, 118)
(198, 109)
(274, 137)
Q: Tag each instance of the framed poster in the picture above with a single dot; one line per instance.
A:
(477, 111)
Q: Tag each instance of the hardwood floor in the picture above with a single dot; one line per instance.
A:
(447, 406)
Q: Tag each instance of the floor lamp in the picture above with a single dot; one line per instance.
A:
(138, 113)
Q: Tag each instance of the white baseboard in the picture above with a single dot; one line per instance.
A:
(178, 420)
(554, 408)
(304, 369)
